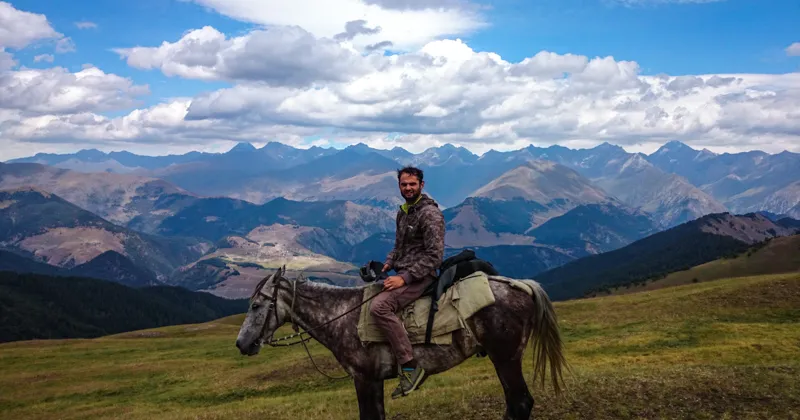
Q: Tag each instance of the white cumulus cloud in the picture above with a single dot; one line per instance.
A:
(297, 76)
(86, 25)
(447, 92)
(285, 55)
(793, 50)
(19, 29)
(44, 57)
(6, 60)
(58, 91)
(407, 24)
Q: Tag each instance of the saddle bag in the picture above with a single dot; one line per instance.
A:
(451, 271)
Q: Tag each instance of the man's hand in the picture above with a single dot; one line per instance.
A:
(393, 282)
(386, 268)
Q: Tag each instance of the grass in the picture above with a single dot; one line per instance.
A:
(780, 255)
(715, 350)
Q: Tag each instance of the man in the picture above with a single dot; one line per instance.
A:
(417, 254)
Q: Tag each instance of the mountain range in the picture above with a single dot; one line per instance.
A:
(219, 221)
(676, 174)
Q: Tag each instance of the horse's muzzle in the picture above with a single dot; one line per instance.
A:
(250, 350)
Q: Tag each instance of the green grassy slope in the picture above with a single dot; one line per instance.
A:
(721, 349)
(778, 255)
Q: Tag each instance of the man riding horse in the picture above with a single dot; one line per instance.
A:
(418, 251)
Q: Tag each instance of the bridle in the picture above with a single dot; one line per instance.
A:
(272, 308)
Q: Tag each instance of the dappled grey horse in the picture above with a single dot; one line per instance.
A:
(330, 316)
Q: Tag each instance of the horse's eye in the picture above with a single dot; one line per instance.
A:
(254, 306)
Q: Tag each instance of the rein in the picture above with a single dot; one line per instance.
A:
(273, 301)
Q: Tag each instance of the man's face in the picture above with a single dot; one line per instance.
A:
(410, 187)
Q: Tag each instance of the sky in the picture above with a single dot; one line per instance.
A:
(170, 76)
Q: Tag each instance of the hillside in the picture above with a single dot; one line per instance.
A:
(376, 247)
(505, 210)
(215, 218)
(485, 222)
(773, 256)
(14, 262)
(669, 198)
(594, 229)
(237, 263)
(680, 248)
(117, 198)
(109, 266)
(543, 182)
(253, 175)
(745, 182)
(628, 177)
(49, 229)
(722, 349)
(113, 266)
(37, 306)
(519, 261)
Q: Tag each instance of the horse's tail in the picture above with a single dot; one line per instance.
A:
(547, 344)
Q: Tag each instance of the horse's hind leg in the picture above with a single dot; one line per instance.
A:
(519, 402)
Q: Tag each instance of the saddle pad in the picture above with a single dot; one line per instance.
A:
(526, 286)
(459, 302)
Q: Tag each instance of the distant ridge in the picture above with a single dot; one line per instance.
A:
(772, 256)
(110, 266)
(705, 239)
(49, 229)
(36, 306)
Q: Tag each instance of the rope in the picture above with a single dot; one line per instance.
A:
(299, 332)
(335, 378)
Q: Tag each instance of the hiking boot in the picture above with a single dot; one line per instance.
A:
(409, 381)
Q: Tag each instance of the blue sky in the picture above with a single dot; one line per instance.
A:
(733, 36)
(302, 89)
(715, 37)
(123, 24)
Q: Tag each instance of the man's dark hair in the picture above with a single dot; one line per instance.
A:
(411, 171)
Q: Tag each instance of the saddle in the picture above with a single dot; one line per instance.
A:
(458, 303)
(461, 289)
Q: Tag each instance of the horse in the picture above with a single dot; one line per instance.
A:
(329, 315)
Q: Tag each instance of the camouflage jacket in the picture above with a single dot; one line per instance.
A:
(419, 241)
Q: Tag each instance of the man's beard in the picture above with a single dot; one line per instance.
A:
(414, 197)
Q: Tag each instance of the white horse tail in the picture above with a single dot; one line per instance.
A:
(547, 344)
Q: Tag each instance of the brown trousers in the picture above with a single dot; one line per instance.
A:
(384, 310)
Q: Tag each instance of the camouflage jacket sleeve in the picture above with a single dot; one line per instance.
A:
(429, 260)
(390, 257)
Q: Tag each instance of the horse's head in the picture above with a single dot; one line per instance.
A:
(264, 316)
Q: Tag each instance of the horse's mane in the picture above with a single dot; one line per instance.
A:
(301, 280)
(260, 284)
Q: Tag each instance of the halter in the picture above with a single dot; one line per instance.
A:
(273, 308)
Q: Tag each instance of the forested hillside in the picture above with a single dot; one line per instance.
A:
(37, 306)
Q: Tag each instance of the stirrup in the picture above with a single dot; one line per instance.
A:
(409, 382)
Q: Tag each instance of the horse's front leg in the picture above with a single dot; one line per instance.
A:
(370, 398)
